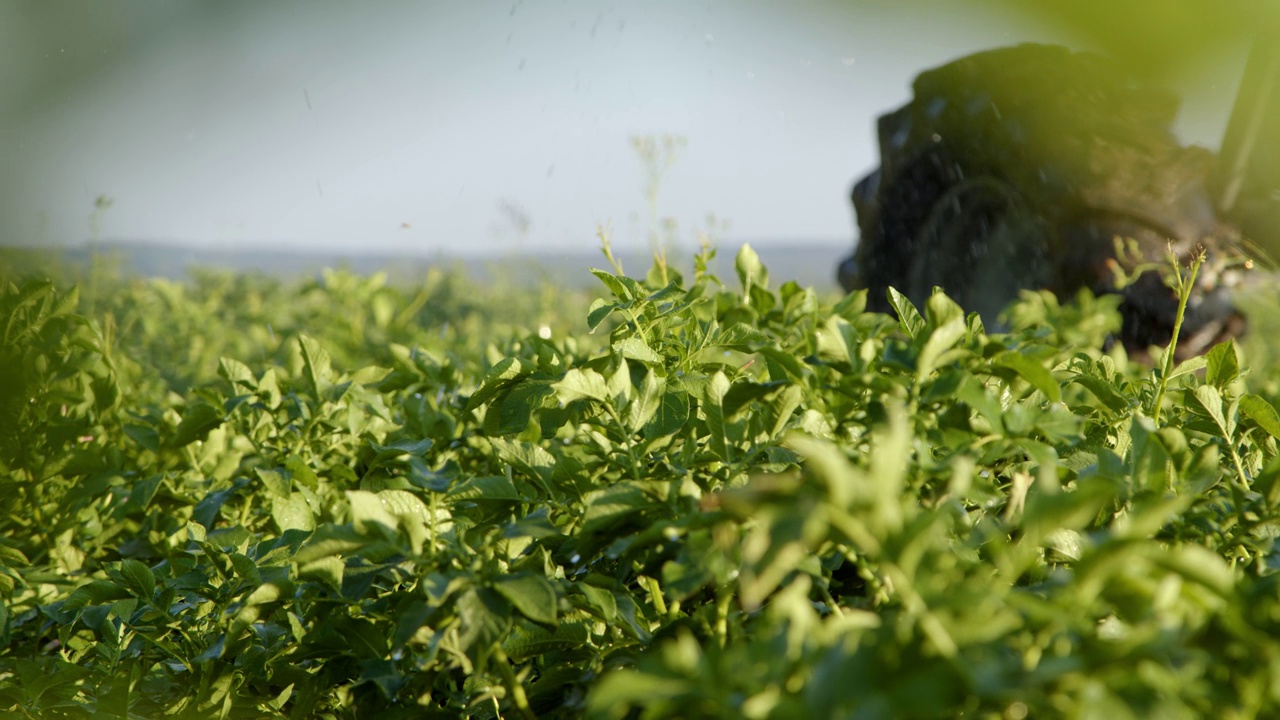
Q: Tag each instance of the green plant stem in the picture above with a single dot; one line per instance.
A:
(514, 688)
(1183, 288)
(625, 433)
(1239, 487)
(724, 597)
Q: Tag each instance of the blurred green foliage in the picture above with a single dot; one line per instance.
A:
(1155, 37)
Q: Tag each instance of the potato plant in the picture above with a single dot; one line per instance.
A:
(236, 497)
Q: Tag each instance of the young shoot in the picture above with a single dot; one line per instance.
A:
(1181, 281)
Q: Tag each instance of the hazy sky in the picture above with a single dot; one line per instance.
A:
(426, 126)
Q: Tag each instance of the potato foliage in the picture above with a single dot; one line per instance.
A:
(237, 497)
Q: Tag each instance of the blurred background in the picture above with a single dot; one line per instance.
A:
(266, 134)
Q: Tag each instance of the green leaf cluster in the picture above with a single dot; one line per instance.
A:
(234, 497)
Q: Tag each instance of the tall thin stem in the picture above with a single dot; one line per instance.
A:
(1182, 286)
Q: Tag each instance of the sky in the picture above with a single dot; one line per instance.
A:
(466, 127)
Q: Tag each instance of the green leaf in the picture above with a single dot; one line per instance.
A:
(1032, 371)
(646, 403)
(713, 412)
(600, 601)
(534, 525)
(1199, 565)
(403, 503)
(743, 396)
(302, 472)
(635, 348)
(269, 389)
(399, 448)
(1257, 409)
(940, 340)
(680, 580)
(368, 512)
(941, 310)
(622, 287)
(1210, 400)
(740, 336)
(1047, 513)
(668, 293)
(622, 689)
(489, 487)
(532, 595)
(975, 395)
(519, 406)
(196, 532)
(1103, 391)
(138, 578)
(528, 641)
(670, 417)
(1188, 366)
(610, 504)
(500, 376)
(618, 385)
(282, 698)
(245, 568)
(581, 384)
(330, 541)
(144, 435)
(484, 616)
(327, 570)
(600, 309)
(276, 482)
(908, 317)
(783, 406)
(237, 373)
(13, 557)
(95, 593)
(199, 419)
(265, 594)
(527, 458)
(789, 365)
(317, 369)
(292, 513)
(1223, 364)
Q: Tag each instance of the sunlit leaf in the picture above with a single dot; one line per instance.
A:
(1256, 408)
(532, 595)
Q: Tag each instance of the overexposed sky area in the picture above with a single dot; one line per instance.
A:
(442, 126)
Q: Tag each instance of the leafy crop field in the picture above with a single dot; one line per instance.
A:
(237, 498)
